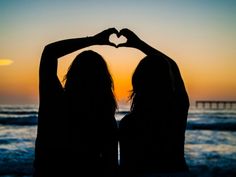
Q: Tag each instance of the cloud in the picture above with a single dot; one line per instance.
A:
(5, 62)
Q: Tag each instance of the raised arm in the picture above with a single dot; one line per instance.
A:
(58, 49)
(135, 42)
(48, 81)
(64, 47)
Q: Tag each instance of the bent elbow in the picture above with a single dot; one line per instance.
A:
(47, 50)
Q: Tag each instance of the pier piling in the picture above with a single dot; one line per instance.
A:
(206, 104)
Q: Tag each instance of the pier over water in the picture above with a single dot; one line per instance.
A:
(206, 104)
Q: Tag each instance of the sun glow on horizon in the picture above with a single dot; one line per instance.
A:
(5, 62)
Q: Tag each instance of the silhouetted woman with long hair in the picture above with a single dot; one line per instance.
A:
(152, 135)
(77, 131)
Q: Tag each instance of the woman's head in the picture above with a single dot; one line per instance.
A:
(152, 82)
(88, 78)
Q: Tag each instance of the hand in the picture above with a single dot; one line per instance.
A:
(103, 37)
(132, 38)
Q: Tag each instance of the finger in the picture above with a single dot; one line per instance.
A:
(124, 31)
(122, 45)
(118, 34)
(116, 31)
(112, 31)
(112, 44)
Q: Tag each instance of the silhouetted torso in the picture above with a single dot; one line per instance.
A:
(152, 143)
(93, 142)
(73, 138)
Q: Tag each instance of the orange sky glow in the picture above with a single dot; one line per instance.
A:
(200, 36)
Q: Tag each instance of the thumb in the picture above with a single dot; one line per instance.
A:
(112, 44)
(122, 45)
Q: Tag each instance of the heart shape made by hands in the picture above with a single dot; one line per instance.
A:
(117, 40)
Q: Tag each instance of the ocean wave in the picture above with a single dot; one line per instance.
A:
(4, 141)
(16, 162)
(18, 112)
(20, 120)
(197, 119)
(31, 120)
(213, 126)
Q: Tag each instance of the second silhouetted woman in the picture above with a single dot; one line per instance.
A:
(152, 135)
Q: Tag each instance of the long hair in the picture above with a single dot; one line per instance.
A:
(88, 83)
(152, 84)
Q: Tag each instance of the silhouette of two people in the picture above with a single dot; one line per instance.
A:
(77, 131)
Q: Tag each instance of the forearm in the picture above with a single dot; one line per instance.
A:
(53, 51)
(178, 81)
(64, 47)
(135, 42)
(148, 50)
(61, 48)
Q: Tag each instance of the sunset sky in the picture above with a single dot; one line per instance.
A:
(200, 35)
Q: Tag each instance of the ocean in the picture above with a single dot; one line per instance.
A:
(210, 145)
